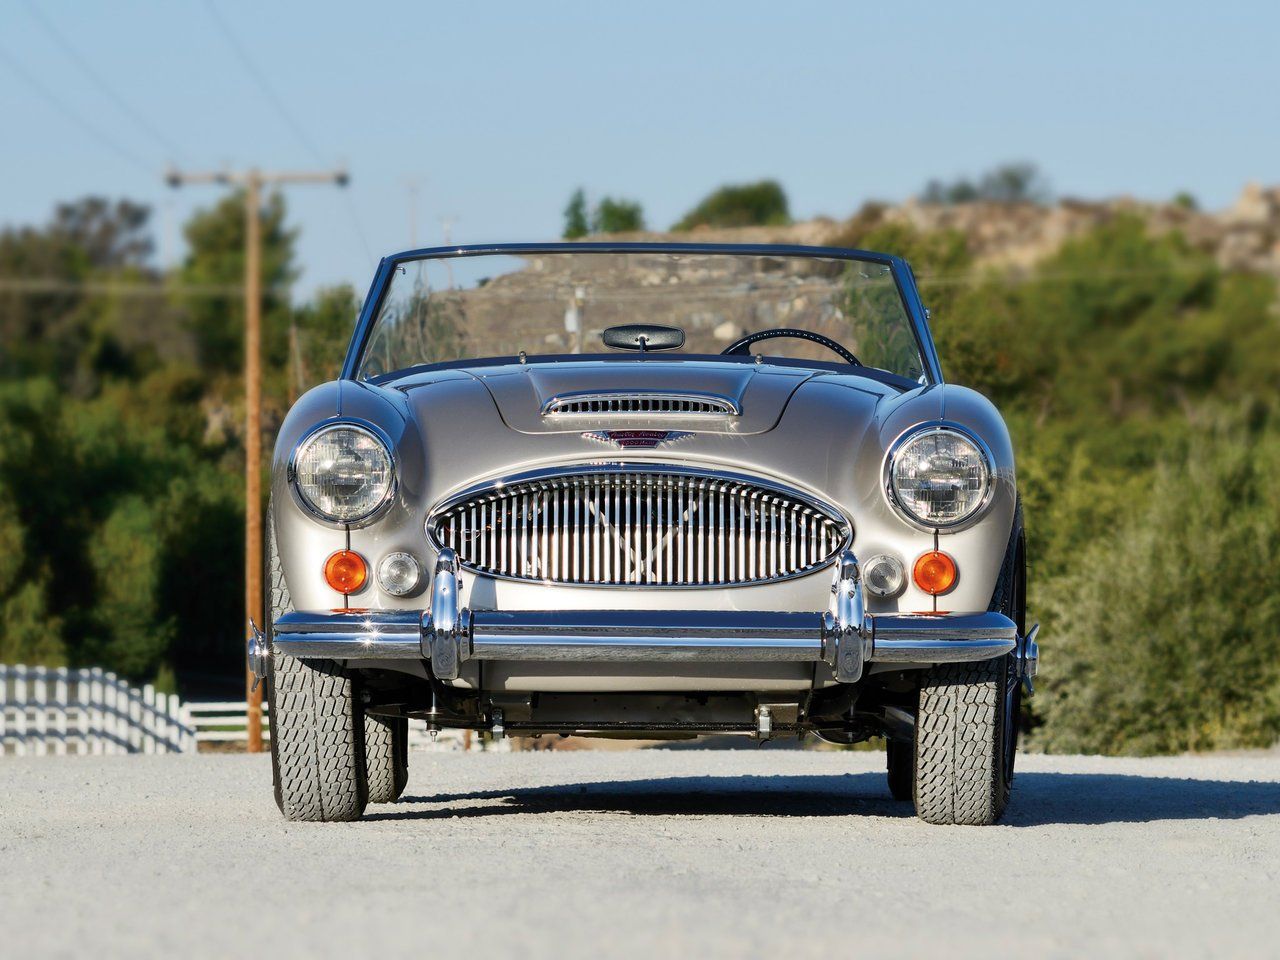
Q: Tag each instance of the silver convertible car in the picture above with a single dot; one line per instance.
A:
(649, 491)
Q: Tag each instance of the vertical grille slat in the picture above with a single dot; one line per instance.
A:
(641, 527)
(647, 566)
(595, 533)
(701, 543)
(581, 570)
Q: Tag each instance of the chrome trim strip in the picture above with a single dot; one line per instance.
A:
(376, 622)
(941, 638)
(642, 649)
(939, 651)
(910, 627)
(688, 533)
(350, 646)
(719, 404)
(642, 636)
(620, 636)
(389, 646)
(373, 635)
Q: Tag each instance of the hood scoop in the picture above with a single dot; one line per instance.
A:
(631, 403)
(581, 396)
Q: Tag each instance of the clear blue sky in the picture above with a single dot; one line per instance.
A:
(501, 109)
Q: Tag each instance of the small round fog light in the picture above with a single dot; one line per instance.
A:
(398, 574)
(884, 576)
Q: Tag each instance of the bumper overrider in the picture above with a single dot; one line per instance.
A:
(845, 637)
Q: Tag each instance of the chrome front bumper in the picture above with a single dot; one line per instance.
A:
(846, 637)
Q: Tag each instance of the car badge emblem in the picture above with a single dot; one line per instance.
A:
(637, 438)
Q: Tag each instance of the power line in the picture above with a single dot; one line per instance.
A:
(41, 285)
(263, 84)
(98, 81)
(35, 286)
(76, 119)
(354, 214)
(1018, 277)
(269, 92)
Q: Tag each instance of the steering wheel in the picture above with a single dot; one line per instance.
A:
(743, 347)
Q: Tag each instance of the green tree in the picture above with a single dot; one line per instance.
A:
(131, 630)
(759, 204)
(1007, 183)
(1164, 633)
(28, 630)
(216, 237)
(612, 215)
(52, 322)
(575, 216)
(121, 524)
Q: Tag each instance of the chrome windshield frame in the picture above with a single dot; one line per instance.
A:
(900, 270)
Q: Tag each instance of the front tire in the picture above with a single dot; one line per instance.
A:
(317, 725)
(961, 764)
(317, 741)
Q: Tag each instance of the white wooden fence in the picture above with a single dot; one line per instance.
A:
(55, 710)
(223, 721)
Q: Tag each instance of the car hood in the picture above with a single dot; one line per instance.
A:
(799, 425)
(760, 394)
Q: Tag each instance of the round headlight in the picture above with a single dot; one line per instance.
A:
(343, 472)
(939, 477)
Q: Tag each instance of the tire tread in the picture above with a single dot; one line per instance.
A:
(317, 737)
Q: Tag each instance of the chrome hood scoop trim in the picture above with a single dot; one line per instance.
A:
(631, 403)
(573, 397)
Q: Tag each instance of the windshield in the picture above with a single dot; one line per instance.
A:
(460, 308)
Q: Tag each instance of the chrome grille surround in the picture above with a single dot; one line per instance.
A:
(606, 403)
(639, 525)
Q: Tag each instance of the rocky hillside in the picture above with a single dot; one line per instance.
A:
(1245, 236)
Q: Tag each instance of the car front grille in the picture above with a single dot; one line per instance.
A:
(640, 527)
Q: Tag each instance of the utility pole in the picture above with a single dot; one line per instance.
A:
(253, 182)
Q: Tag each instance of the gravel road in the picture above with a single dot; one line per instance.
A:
(675, 853)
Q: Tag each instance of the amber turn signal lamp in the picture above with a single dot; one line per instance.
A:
(345, 571)
(934, 572)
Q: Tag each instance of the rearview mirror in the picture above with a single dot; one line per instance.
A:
(643, 336)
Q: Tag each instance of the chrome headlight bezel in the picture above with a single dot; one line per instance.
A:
(921, 431)
(309, 506)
